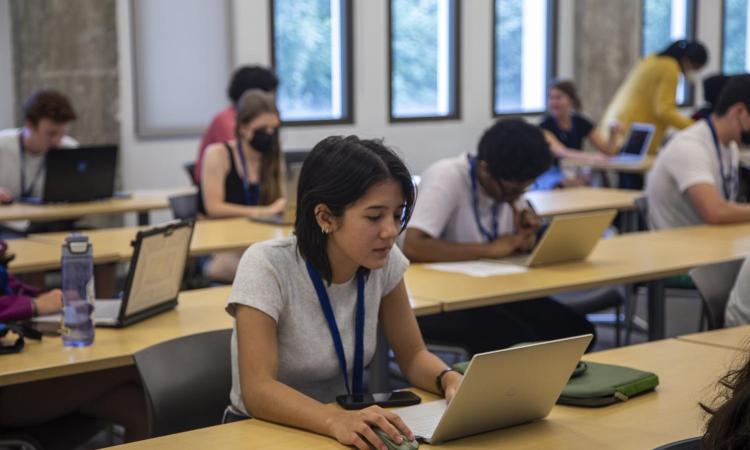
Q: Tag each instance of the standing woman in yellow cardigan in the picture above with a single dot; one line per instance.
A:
(649, 95)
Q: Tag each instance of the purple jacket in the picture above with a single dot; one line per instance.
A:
(15, 297)
(17, 305)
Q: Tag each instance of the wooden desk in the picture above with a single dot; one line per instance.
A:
(687, 373)
(737, 338)
(34, 256)
(140, 201)
(198, 311)
(640, 167)
(628, 258)
(208, 236)
(582, 199)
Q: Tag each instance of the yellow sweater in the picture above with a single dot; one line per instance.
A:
(648, 95)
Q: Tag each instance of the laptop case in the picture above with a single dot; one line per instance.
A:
(595, 384)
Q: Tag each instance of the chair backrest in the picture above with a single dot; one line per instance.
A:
(685, 444)
(187, 381)
(641, 205)
(184, 206)
(292, 157)
(715, 283)
(190, 169)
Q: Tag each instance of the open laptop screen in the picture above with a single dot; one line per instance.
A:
(638, 141)
(159, 269)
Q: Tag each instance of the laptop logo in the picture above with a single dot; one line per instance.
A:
(83, 166)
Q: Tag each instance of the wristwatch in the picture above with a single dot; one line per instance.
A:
(439, 380)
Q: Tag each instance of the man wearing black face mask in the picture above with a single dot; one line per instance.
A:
(695, 179)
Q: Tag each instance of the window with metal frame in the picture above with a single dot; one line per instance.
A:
(735, 37)
(423, 44)
(311, 50)
(524, 55)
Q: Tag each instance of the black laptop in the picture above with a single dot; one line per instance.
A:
(78, 175)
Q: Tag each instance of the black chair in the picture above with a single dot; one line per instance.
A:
(190, 169)
(292, 157)
(715, 283)
(187, 381)
(184, 206)
(685, 444)
(595, 300)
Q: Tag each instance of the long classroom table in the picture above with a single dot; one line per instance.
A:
(634, 257)
(40, 252)
(736, 338)
(640, 167)
(629, 258)
(582, 199)
(687, 374)
(141, 202)
(197, 311)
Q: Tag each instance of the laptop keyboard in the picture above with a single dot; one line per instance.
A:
(422, 419)
(106, 309)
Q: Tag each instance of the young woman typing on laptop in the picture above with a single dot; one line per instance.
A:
(307, 307)
(242, 177)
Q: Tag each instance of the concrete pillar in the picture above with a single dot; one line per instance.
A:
(607, 40)
(70, 46)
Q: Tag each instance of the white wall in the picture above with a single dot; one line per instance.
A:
(7, 98)
(158, 163)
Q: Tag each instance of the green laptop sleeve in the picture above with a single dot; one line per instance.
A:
(595, 384)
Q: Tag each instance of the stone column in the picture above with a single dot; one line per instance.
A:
(71, 46)
(607, 41)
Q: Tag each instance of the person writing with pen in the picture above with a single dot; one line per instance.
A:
(470, 207)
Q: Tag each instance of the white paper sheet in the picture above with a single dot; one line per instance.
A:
(478, 268)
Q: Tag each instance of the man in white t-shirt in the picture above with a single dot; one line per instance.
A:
(695, 178)
(468, 208)
(47, 116)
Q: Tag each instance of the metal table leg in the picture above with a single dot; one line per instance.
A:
(656, 310)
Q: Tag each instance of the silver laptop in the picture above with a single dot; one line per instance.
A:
(500, 389)
(568, 237)
(636, 145)
(154, 278)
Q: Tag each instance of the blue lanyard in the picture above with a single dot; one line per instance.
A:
(727, 183)
(488, 236)
(27, 191)
(325, 304)
(251, 198)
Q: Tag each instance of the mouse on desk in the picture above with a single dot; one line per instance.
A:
(406, 444)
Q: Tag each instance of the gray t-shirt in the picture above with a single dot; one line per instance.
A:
(272, 278)
(689, 158)
(33, 167)
(445, 209)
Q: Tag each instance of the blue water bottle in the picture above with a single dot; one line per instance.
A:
(78, 291)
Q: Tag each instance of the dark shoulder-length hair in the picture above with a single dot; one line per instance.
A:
(728, 427)
(694, 51)
(338, 172)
